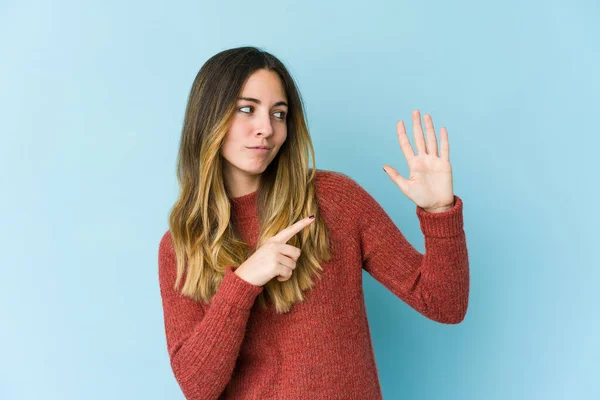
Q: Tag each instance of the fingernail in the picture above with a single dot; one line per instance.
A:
(384, 170)
(311, 217)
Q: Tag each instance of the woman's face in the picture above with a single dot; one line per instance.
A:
(260, 119)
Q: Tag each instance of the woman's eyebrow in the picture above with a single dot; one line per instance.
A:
(252, 99)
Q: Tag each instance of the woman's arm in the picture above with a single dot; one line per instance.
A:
(203, 347)
(436, 284)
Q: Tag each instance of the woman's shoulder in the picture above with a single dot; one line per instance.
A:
(165, 245)
(340, 192)
(333, 179)
(335, 183)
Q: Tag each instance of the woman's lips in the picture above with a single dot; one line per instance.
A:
(258, 150)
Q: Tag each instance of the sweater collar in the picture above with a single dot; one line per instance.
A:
(244, 206)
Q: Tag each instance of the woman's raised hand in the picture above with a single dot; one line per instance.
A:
(430, 183)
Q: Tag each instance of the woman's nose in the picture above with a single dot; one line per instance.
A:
(265, 126)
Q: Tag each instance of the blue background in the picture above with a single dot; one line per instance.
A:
(92, 101)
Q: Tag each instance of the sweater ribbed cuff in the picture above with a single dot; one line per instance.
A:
(443, 224)
(236, 291)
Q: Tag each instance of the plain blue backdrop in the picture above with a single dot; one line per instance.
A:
(92, 99)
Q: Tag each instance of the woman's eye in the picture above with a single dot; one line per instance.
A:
(282, 117)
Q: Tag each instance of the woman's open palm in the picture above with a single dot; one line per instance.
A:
(430, 183)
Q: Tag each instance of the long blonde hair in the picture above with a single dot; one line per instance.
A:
(204, 240)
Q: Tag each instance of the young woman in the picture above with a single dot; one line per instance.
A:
(261, 270)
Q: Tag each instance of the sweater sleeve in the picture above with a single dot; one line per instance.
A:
(203, 346)
(436, 284)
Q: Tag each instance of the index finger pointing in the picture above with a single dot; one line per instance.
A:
(291, 230)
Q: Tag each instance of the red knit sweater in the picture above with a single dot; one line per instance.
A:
(321, 349)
